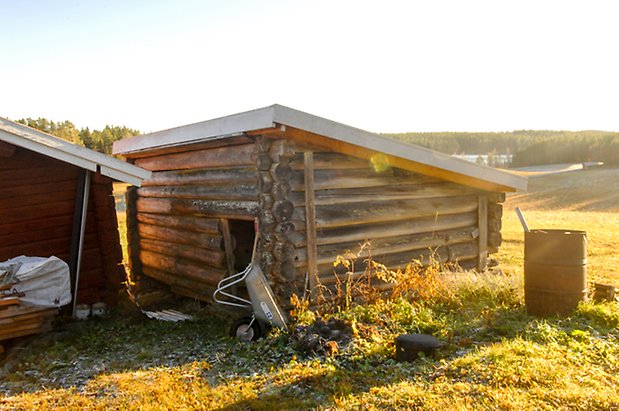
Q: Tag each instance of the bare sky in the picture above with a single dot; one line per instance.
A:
(384, 66)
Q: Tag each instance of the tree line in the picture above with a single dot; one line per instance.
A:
(98, 140)
(526, 147)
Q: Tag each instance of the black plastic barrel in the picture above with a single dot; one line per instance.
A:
(555, 271)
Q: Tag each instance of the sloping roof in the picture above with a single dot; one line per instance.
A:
(23, 136)
(313, 129)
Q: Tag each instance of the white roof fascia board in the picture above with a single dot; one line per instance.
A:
(358, 137)
(47, 150)
(120, 176)
(43, 143)
(228, 126)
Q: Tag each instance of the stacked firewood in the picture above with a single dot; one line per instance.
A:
(18, 319)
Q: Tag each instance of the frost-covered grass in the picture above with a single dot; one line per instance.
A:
(495, 355)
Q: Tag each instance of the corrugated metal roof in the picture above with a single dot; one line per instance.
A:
(23, 136)
(276, 115)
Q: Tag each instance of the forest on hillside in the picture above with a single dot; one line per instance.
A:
(525, 147)
(98, 140)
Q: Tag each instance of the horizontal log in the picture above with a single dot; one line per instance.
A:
(361, 234)
(182, 268)
(211, 258)
(330, 161)
(384, 193)
(220, 157)
(235, 191)
(178, 236)
(226, 176)
(224, 209)
(190, 223)
(394, 245)
(175, 280)
(457, 253)
(331, 216)
(229, 141)
(354, 178)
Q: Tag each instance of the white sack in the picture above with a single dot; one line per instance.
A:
(46, 282)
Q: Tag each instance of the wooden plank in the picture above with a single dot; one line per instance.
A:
(6, 149)
(8, 301)
(482, 212)
(310, 219)
(212, 158)
(38, 211)
(228, 247)
(35, 187)
(26, 310)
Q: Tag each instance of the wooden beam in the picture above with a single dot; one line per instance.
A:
(310, 220)
(228, 247)
(482, 214)
(82, 229)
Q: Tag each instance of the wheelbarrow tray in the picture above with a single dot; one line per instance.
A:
(262, 299)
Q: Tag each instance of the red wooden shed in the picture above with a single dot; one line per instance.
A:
(56, 199)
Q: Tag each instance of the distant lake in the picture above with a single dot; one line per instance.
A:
(499, 160)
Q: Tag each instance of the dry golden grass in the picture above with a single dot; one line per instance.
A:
(583, 200)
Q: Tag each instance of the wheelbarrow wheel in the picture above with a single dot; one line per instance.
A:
(242, 329)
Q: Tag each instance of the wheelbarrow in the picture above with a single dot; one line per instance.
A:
(265, 310)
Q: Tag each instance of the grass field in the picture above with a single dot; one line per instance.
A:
(495, 355)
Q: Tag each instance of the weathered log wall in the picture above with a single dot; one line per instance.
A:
(37, 202)
(177, 221)
(180, 234)
(403, 215)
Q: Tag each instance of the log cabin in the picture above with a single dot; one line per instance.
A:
(316, 188)
(56, 199)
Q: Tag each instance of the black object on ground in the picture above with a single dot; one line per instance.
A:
(408, 346)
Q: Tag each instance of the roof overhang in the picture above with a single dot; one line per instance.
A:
(31, 139)
(327, 134)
